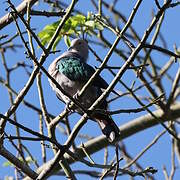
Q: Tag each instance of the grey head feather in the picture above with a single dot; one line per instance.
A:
(79, 47)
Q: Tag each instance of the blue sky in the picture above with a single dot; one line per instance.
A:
(160, 153)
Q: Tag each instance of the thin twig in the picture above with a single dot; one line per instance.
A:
(145, 149)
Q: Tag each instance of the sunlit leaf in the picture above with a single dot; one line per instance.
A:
(56, 42)
(90, 23)
(99, 26)
(75, 25)
(67, 41)
(79, 18)
(6, 164)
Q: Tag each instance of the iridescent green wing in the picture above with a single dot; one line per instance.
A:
(77, 70)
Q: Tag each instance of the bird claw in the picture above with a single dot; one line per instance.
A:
(76, 96)
(67, 107)
(68, 104)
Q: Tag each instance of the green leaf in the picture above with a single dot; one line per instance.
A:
(41, 34)
(46, 35)
(6, 164)
(90, 23)
(79, 18)
(99, 26)
(67, 26)
(75, 25)
(56, 42)
(67, 41)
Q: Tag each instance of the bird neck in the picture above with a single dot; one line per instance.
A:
(77, 54)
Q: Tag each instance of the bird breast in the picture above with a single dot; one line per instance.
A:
(72, 87)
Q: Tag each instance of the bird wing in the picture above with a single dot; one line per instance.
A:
(77, 70)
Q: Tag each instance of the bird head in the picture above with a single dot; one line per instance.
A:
(80, 47)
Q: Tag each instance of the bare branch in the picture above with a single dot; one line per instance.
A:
(21, 9)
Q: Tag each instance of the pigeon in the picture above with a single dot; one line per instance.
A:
(71, 72)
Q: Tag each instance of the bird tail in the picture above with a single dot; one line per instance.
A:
(108, 126)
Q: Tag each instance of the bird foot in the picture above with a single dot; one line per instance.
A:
(76, 96)
(68, 107)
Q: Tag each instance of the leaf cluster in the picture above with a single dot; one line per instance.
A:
(76, 25)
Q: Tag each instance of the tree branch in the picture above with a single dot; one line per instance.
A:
(127, 130)
(21, 9)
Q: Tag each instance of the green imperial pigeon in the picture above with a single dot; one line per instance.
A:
(72, 72)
